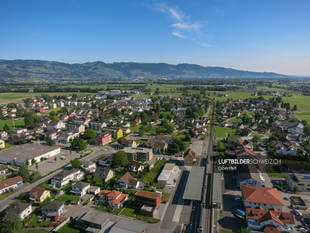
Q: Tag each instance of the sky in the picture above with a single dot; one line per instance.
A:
(255, 35)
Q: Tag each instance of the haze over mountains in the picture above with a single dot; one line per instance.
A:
(40, 71)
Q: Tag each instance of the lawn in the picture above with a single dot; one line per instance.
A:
(10, 123)
(220, 131)
(151, 176)
(35, 231)
(68, 229)
(129, 212)
(67, 198)
(33, 222)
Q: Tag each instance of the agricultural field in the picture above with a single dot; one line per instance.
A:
(6, 98)
(303, 105)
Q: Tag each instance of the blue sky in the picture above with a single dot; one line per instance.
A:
(258, 35)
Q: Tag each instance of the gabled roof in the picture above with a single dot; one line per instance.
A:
(128, 179)
(17, 207)
(37, 192)
(261, 195)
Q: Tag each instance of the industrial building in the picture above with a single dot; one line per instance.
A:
(27, 154)
(193, 188)
(169, 174)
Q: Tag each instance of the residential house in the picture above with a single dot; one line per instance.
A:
(114, 198)
(56, 125)
(89, 166)
(105, 161)
(38, 194)
(190, 157)
(10, 184)
(136, 167)
(267, 198)
(80, 188)
(104, 173)
(53, 210)
(249, 174)
(19, 209)
(149, 201)
(103, 139)
(93, 190)
(3, 134)
(259, 218)
(98, 126)
(128, 143)
(298, 181)
(65, 176)
(128, 181)
(2, 144)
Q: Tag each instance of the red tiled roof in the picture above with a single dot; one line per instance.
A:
(119, 199)
(271, 229)
(261, 195)
(11, 181)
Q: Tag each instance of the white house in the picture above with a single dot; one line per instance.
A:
(65, 176)
(20, 209)
(80, 188)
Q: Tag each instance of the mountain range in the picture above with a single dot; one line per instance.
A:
(47, 71)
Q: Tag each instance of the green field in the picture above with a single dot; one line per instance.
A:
(303, 105)
(18, 97)
(10, 123)
(220, 132)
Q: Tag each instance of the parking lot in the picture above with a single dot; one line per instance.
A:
(227, 220)
(50, 165)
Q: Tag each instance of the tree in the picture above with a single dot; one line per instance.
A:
(35, 175)
(244, 230)
(89, 135)
(10, 224)
(120, 159)
(30, 120)
(76, 163)
(78, 144)
(97, 181)
(24, 172)
(141, 131)
(6, 128)
(50, 142)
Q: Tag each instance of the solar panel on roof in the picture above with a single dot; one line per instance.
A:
(307, 177)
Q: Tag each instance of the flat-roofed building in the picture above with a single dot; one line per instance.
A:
(150, 201)
(65, 176)
(193, 188)
(169, 174)
(298, 181)
(139, 154)
(27, 154)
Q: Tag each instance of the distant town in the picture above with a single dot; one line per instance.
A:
(157, 159)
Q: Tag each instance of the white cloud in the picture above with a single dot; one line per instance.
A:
(182, 26)
(177, 34)
(187, 26)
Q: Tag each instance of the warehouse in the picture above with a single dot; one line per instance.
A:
(25, 154)
(169, 175)
(193, 188)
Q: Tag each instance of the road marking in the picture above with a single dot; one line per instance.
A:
(177, 213)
